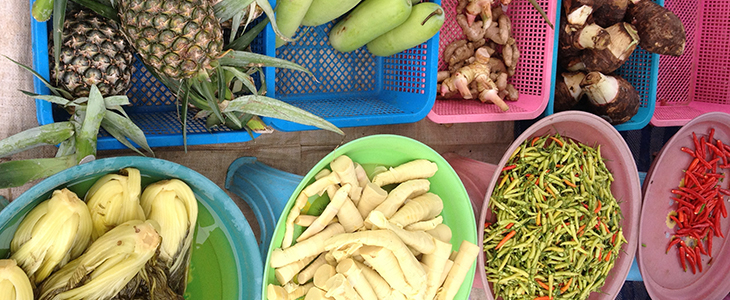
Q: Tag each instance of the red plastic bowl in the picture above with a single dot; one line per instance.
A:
(590, 130)
(662, 273)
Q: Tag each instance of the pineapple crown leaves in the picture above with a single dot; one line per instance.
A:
(235, 9)
(119, 126)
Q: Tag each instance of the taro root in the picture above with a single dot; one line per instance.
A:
(660, 30)
(623, 42)
(578, 11)
(568, 91)
(573, 39)
(610, 97)
(609, 12)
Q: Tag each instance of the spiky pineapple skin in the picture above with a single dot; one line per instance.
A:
(177, 38)
(93, 51)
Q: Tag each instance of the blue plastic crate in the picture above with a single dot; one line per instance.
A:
(152, 107)
(356, 88)
(641, 70)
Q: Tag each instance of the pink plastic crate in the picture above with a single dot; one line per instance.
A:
(698, 81)
(536, 67)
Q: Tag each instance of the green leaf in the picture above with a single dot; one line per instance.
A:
(55, 91)
(86, 137)
(204, 89)
(53, 99)
(245, 39)
(50, 134)
(102, 9)
(541, 11)
(249, 59)
(235, 24)
(233, 119)
(184, 115)
(244, 78)
(266, 7)
(222, 88)
(67, 147)
(226, 9)
(59, 16)
(270, 107)
(122, 128)
(116, 100)
(18, 172)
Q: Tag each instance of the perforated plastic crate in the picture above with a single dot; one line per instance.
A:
(355, 88)
(535, 68)
(641, 71)
(152, 107)
(698, 81)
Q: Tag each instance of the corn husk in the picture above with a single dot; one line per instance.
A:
(14, 284)
(108, 265)
(113, 200)
(172, 204)
(55, 232)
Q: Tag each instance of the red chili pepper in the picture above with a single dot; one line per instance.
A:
(613, 239)
(542, 284)
(699, 209)
(702, 148)
(688, 151)
(507, 168)
(692, 178)
(679, 193)
(505, 239)
(676, 220)
(718, 230)
(694, 164)
(701, 247)
(711, 135)
(569, 183)
(560, 143)
(534, 140)
(690, 259)
(682, 202)
(509, 225)
(698, 259)
(598, 207)
(709, 246)
(716, 150)
(681, 258)
(608, 256)
(543, 298)
(675, 241)
(723, 211)
(696, 142)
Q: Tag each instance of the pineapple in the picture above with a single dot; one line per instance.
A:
(177, 38)
(93, 51)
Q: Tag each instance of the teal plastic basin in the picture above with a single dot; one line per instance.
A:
(225, 264)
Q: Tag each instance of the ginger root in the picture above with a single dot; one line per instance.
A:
(476, 66)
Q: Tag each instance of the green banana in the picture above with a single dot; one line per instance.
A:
(289, 15)
(424, 22)
(367, 21)
(323, 11)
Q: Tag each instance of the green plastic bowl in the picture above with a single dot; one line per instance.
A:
(393, 150)
(225, 264)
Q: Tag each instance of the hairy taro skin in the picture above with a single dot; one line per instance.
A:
(660, 30)
(623, 107)
(609, 12)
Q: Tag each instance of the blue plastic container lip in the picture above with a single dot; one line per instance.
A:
(234, 223)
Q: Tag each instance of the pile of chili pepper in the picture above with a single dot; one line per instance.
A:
(557, 233)
(699, 201)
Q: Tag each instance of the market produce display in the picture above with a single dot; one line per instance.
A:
(596, 39)
(699, 202)
(387, 27)
(554, 228)
(380, 236)
(480, 65)
(121, 242)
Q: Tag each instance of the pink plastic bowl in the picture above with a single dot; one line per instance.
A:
(590, 130)
(662, 273)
